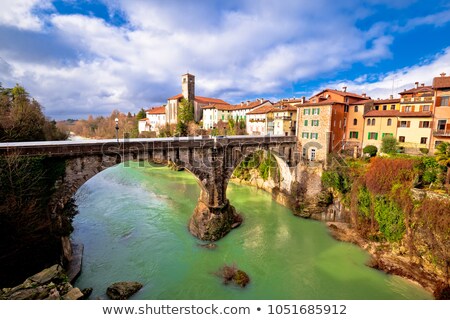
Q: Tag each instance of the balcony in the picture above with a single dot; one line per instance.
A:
(283, 118)
(441, 133)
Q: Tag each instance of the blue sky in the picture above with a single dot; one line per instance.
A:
(91, 57)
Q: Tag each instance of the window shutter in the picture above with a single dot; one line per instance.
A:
(357, 134)
(368, 135)
(376, 136)
(318, 110)
(408, 124)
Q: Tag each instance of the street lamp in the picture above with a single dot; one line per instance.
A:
(117, 129)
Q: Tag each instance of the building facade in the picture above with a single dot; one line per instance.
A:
(441, 117)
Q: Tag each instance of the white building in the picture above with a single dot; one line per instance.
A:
(156, 119)
(188, 93)
(213, 113)
(260, 120)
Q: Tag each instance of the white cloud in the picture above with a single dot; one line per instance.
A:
(235, 48)
(394, 82)
(19, 14)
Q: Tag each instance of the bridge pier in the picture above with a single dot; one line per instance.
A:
(213, 223)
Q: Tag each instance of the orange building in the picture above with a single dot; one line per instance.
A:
(322, 122)
(441, 118)
(354, 131)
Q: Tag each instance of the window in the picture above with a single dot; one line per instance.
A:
(377, 107)
(346, 107)
(441, 124)
(404, 124)
(356, 108)
(424, 124)
(389, 122)
(305, 123)
(304, 153)
(372, 136)
(445, 100)
(305, 135)
(355, 122)
(409, 109)
(368, 122)
(392, 106)
(306, 111)
(437, 142)
(313, 154)
(315, 111)
(315, 123)
(401, 139)
(354, 134)
(373, 122)
(425, 108)
(385, 107)
(423, 140)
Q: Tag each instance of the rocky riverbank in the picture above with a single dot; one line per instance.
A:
(49, 284)
(392, 262)
(383, 257)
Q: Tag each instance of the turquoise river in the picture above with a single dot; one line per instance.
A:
(133, 223)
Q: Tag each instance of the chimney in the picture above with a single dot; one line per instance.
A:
(242, 103)
(391, 97)
(364, 95)
(417, 84)
(303, 99)
(443, 74)
(422, 84)
(248, 102)
(344, 89)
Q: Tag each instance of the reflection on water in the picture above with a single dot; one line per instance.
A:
(133, 223)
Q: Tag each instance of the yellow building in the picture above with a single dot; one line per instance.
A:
(285, 120)
(415, 118)
(354, 131)
(386, 104)
(377, 124)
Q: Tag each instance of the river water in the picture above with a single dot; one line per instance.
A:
(133, 223)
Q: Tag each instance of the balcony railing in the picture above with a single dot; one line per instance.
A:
(283, 118)
(441, 133)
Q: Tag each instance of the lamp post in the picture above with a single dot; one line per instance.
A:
(117, 129)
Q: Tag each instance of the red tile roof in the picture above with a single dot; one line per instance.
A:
(360, 102)
(382, 113)
(178, 96)
(342, 93)
(143, 119)
(417, 90)
(262, 110)
(441, 82)
(396, 113)
(206, 100)
(281, 107)
(157, 110)
(415, 114)
(322, 103)
(250, 104)
(219, 106)
(386, 101)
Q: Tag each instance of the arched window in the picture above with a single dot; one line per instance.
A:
(355, 122)
(389, 122)
(356, 108)
(368, 122)
(373, 122)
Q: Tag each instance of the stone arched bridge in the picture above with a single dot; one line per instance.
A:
(211, 159)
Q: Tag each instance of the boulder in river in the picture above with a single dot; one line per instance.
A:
(123, 290)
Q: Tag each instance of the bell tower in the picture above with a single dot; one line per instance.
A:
(188, 86)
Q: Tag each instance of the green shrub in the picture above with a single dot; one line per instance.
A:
(371, 150)
(388, 144)
(424, 150)
(364, 202)
(390, 219)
